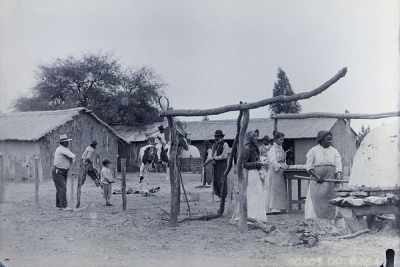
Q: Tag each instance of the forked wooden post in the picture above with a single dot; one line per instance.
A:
(2, 186)
(174, 175)
(123, 183)
(241, 175)
(36, 181)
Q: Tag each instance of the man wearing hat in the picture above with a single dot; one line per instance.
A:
(87, 169)
(63, 158)
(264, 148)
(159, 138)
(219, 159)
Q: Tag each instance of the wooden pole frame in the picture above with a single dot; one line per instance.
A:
(244, 108)
(254, 105)
(347, 116)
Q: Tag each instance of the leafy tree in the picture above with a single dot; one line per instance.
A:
(283, 87)
(361, 135)
(98, 82)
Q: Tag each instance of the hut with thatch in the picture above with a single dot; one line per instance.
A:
(26, 136)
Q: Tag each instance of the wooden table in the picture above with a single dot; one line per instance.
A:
(289, 175)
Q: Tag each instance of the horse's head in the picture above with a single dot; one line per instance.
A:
(182, 142)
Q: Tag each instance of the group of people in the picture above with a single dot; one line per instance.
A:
(64, 158)
(265, 166)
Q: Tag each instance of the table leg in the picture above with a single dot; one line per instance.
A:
(299, 193)
(290, 194)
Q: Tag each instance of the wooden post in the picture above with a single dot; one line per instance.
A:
(230, 182)
(123, 183)
(174, 174)
(241, 176)
(275, 126)
(36, 181)
(2, 187)
(72, 188)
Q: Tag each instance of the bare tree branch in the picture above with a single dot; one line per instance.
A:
(261, 103)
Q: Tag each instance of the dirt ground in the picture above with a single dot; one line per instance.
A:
(108, 236)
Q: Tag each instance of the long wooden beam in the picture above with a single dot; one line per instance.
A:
(258, 104)
(336, 115)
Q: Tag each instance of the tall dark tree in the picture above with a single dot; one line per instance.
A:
(98, 82)
(361, 135)
(283, 87)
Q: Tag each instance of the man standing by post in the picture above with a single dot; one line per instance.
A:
(159, 138)
(219, 159)
(63, 158)
(87, 169)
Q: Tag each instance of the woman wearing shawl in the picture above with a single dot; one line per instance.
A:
(276, 176)
(323, 162)
(255, 193)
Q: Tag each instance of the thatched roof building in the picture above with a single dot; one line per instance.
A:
(25, 136)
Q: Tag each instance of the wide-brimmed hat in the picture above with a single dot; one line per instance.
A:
(93, 143)
(161, 128)
(64, 138)
(265, 138)
(219, 133)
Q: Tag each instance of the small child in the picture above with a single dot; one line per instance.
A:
(107, 180)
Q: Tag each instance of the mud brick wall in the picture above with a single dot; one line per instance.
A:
(192, 164)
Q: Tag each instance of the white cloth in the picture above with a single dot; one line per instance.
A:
(255, 197)
(319, 155)
(309, 212)
(63, 157)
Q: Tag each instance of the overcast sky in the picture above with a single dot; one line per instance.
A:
(217, 53)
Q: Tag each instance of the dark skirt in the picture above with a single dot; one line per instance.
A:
(218, 181)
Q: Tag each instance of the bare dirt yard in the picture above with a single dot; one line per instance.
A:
(99, 236)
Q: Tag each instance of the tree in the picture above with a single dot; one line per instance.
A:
(361, 135)
(283, 87)
(205, 118)
(98, 82)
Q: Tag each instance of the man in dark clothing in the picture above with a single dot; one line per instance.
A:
(219, 159)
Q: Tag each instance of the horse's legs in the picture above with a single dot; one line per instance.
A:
(141, 173)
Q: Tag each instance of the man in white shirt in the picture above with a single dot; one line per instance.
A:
(159, 138)
(87, 169)
(63, 158)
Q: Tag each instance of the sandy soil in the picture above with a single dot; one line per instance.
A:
(107, 236)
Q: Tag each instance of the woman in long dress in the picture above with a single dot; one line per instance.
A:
(255, 192)
(323, 162)
(276, 177)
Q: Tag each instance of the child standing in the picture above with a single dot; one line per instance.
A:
(107, 180)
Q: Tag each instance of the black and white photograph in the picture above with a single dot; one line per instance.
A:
(199, 133)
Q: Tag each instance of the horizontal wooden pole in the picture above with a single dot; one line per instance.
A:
(337, 115)
(325, 180)
(254, 105)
